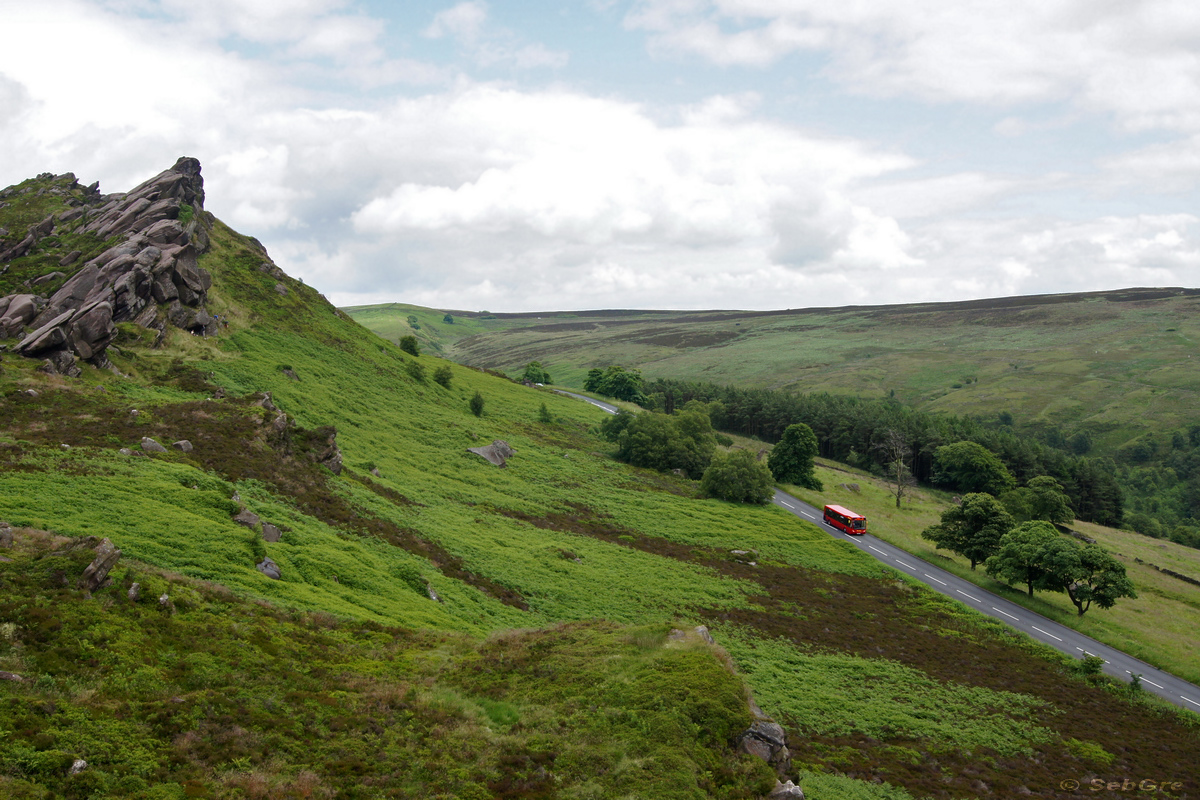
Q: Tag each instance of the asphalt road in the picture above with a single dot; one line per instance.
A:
(609, 407)
(1116, 663)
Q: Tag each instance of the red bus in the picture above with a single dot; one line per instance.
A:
(845, 520)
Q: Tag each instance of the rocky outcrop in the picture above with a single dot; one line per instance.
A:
(498, 452)
(155, 264)
(269, 568)
(766, 739)
(96, 573)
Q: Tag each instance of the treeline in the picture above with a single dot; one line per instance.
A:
(856, 431)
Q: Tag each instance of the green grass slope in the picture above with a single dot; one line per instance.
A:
(543, 668)
(1115, 365)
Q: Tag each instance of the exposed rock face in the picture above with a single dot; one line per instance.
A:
(157, 263)
(271, 533)
(766, 739)
(786, 791)
(96, 573)
(269, 568)
(498, 452)
(246, 517)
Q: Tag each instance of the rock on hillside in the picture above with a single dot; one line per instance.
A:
(149, 275)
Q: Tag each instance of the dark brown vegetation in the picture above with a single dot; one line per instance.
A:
(828, 612)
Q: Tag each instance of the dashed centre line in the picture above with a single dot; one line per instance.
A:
(927, 575)
(964, 594)
(901, 563)
(1051, 635)
(1145, 680)
(876, 549)
(1005, 613)
(789, 505)
(805, 513)
(1193, 702)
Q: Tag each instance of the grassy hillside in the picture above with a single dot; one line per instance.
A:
(1117, 366)
(543, 668)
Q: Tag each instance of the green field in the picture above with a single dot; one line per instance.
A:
(1118, 366)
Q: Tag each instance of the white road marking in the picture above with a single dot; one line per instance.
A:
(1086, 653)
(901, 563)
(789, 505)
(1051, 635)
(1005, 613)
(1193, 702)
(943, 583)
(805, 513)
(1144, 680)
(964, 594)
(876, 549)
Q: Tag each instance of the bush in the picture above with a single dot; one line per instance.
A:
(410, 345)
(477, 404)
(738, 477)
(415, 370)
(443, 375)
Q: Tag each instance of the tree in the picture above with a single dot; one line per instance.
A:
(971, 467)
(477, 404)
(544, 414)
(448, 319)
(1087, 574)
(973, 529)
(791, 460)
(413, 322)
(1019, 559)
(681, 441)
(410, 345)
(443, 375)
(1041, 498)
(895, 449)
(534, 373)
(618, 382)
(738, 477)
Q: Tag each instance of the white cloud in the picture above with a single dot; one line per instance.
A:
(1137, 61)
(490, 45)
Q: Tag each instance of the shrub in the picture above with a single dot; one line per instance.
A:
(415, 370)
(443, 375)
(410, 345)
(738, 477)
(477, 404)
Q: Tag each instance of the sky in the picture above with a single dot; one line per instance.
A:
(653, 154)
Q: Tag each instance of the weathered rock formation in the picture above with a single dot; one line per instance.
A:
(498, 452)
(150, 277)
(96, 573)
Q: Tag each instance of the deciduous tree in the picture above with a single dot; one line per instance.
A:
(896, 449)
(971, 467)
(791, 460)
(410, 345)
(1087, 574)
(973, 529)
(1020, 557)
(738, 477)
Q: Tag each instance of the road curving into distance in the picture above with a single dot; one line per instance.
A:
(1116, 663)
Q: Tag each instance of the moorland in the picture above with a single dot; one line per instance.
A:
(434, 625)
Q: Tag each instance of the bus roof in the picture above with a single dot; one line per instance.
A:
(845, 512)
